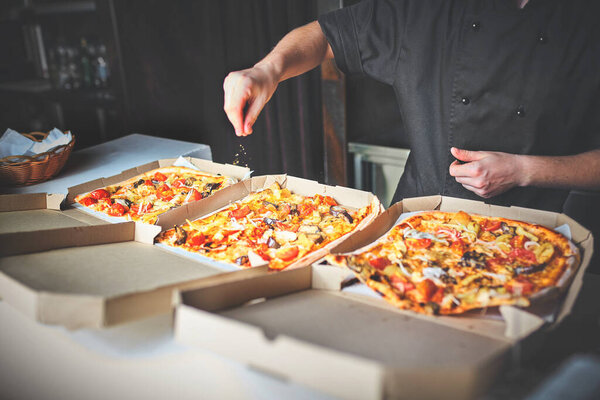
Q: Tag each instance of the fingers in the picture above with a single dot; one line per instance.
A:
(236, 96)
(478, 191)
(254, 109)
(472, 169)
(467, 155)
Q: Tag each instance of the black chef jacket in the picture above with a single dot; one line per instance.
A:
(479, 75)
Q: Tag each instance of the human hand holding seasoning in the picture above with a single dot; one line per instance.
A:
(246, 92)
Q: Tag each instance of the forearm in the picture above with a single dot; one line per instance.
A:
(581, 171)
(299, 51)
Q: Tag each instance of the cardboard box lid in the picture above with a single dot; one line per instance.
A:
(37, 211)
(94, 276)
(517, 323)
(332, 342)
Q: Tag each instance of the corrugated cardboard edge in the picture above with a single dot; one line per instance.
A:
(207, 166)
(51, 239)
(30, 201)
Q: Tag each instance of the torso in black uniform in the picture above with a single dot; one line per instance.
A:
(479, 75)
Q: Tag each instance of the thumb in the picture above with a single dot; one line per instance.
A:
(254, 108)
(466, 155)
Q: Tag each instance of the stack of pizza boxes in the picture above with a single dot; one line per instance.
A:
(306, 323)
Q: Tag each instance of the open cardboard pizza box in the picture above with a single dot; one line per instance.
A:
(300, 325)
(37, 211)
(350, 198)
(234, 171)
(95, 276)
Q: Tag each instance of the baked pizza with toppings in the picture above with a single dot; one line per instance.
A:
(146, 196)
(273, 226)
(448, 263)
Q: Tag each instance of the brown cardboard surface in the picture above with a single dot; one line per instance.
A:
(104, 270)
(335, 343)
(50, 239)
(38, 211)
(94, 276)
(31, 220)
(31, 201)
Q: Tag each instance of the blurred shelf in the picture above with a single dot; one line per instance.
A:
(44, 90)
(64, 7)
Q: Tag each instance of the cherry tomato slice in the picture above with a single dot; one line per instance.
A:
(285, 210)
(148, 182)
(401, 284)
(164, 192)
(305, 209)
(100, 194)
(197, 240)
(116, 210)
(88, 201)
(160, 177)
(418, 243)
(490, 225)
(288, 227)
(194, 196)
(458, 247)
(330, 201)
(240, 212)
(379, 263)
(517, 241)
(523, 254)
(178, 183)
(427, 289)
(287, 253)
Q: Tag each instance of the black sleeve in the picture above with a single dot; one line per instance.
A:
(366, 37)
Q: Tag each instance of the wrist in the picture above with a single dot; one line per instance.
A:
(525, 170)
(270, 66)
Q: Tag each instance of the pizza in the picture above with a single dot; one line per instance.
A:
(146, 196)
(273, 226)
(448, 263)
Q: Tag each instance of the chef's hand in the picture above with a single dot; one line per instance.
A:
(486, 173)
(246, 93)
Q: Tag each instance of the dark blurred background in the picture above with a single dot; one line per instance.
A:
(107, 68)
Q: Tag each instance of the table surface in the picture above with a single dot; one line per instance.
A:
(141, 360)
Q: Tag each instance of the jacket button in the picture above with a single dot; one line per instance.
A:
(542, 38)
(520, 111)
(475, 25)
(465, 100)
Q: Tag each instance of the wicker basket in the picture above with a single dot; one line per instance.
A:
(28, 170)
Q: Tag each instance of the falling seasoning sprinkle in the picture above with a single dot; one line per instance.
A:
(241, 157)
